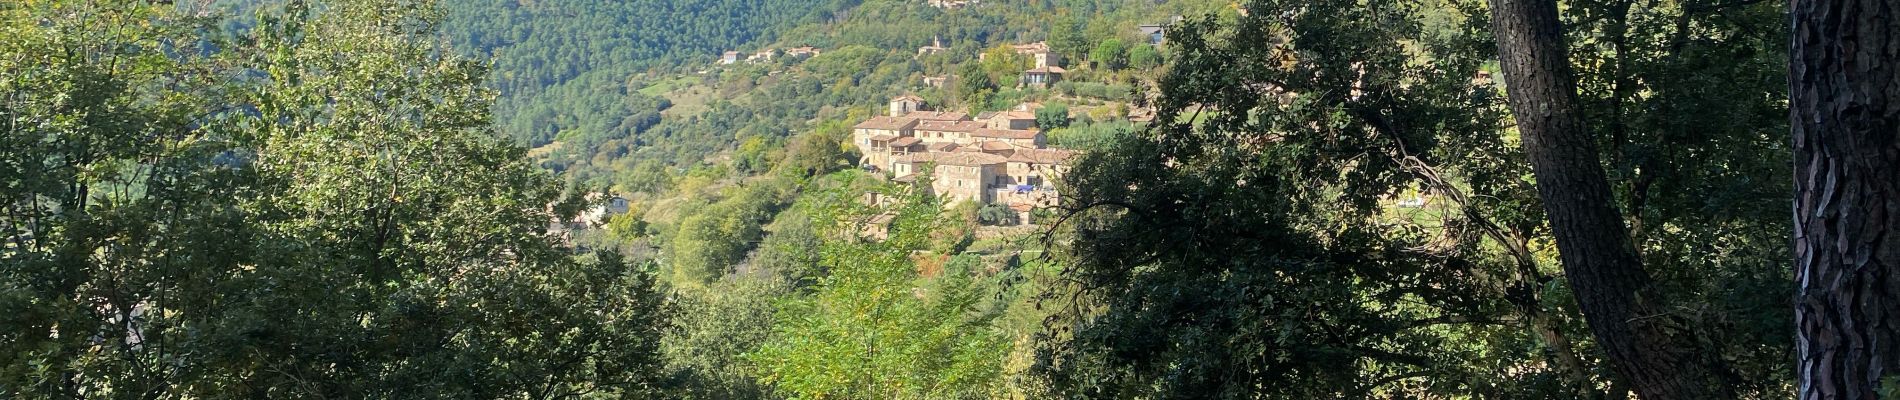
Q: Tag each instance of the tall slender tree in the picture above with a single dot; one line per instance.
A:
(1650, 348)
(1842, 91)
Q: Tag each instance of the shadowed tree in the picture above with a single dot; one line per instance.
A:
(1649, 346)
(1845, 111)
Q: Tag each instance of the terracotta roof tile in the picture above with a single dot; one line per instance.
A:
(1042, 156)
(887, 123)
(938, 116)
(919, 158)
(1014, 115)
(969, 159)
(996, 146)
(951, 126)
(1006, 133)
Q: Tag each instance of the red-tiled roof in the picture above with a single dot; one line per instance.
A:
(887, 123)
(942, 146)
(904, 141)
(938, 116)
(1014, 115)
(951, 126)
(919, 158)
(1047, 70)
(908, 97)
(969, 159)
(883, 138)
(996, 146)
(1042, 156)
(1006, 133)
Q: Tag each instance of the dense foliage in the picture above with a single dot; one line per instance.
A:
(1322, 199)
(1256, 245)
(338, 221)
(1249, 254)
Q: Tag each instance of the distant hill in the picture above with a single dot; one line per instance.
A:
(540, 46)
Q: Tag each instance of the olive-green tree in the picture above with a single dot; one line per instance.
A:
(873, 328)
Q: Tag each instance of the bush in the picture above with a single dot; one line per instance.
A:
(996, 214)
(1052, 116)
(1144, 57)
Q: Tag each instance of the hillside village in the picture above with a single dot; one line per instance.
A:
(993, 158)
(996, 160)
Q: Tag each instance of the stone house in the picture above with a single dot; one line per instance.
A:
(1012, 120)
(1040, 54)
(762, 55)
(938, 116)
(966, 176)
(873, 137)
(906, 104)
(1030, 176)
(803, 51)
(1156, 34)
(1039, 167)
(1020, 138)
(936, 46)
(906, 168)
(885, 149)
(596, 216)
(959, 132)
(1043, 76)
(1000, 158)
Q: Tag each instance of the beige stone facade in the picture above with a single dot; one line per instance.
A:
(874, 136)
(966, 176)
(906, 104)
(999, 159)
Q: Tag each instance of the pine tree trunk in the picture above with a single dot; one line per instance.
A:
(1842, 91)
(1649, 348)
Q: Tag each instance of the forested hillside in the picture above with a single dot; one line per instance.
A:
(1262, 199)
(565, 65)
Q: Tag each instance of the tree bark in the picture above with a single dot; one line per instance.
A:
(1651, 349)
(1842, 91)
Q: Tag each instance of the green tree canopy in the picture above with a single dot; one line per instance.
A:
(1110, 54)
(1144, 57)
(342, 223)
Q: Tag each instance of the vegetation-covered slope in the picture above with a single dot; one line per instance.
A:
(565, 65)
(1330, 202)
